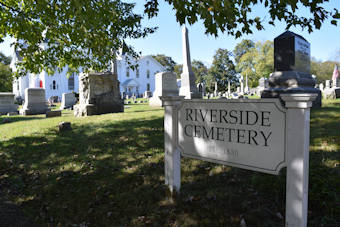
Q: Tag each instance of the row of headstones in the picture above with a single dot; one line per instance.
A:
(331, 90)
(145, 95)
(35, 102)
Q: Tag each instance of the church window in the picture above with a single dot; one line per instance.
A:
(127, 72)
(137, 73)
(148, 87)
(71, 82)
(148, 74)
(54, 86)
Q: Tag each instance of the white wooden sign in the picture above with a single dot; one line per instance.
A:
(248, 134)
(260, 135)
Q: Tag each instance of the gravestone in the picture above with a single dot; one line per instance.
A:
(263, 84)
(246, 88)
(201, 88)
(7, 103)
(241, 86)
(98, 94)
(229, 91)
(67, 100)
(35, 102)
(188, 88)
(291, 68)
(166, 85)
(147, 94)
(321, 87)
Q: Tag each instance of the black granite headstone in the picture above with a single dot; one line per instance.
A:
(291, 53)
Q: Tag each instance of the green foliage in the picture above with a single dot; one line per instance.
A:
(200, 71)
(323, 70)
(257, 62)
(85, 34)
(166, 61)
(4, 59)
(221, 70)
(6, 78)
(237, 17)
(77, 33)
(178, 70)
(241, 48)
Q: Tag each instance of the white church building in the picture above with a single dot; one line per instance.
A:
(135, 81)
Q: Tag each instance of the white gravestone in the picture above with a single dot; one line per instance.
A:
(7, 103)
(166, 85)
(67, 100)
(259, 135)
(35, 102)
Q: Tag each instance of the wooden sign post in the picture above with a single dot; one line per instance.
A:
(259, 135)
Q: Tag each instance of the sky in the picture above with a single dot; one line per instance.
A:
(167, 40)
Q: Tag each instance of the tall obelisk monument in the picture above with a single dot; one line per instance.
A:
(188, 87)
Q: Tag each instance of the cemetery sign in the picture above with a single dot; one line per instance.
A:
(260, 135)
(248, 134)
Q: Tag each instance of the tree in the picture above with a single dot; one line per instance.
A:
(178, 69)
(257, 62)
(200, 71)
(166, 61)
(6, 77)
(86, 34)
(222, 70)
(236, 17)
(241, 48)
(81, 34)
(4, 59)
(323, 70)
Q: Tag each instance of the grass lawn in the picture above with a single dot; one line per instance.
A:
(109, 171)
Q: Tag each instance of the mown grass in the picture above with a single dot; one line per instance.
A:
(109, 171)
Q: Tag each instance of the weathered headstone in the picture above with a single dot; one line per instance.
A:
(241, 85)
(246, 88)
(165, 86)
(64, 126)
(98, 94)
(35, 102)
(292, 68)
(67, 100)
(328, 84)
(188, 88)
(7, 103)
(147, 94)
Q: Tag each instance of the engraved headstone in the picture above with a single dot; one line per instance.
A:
(35, 102)
(188, 88)
(291, 53)
(98, 94)
(7, 103)
(67, 100)
(321, 87)
(292, 68)
(166, 85)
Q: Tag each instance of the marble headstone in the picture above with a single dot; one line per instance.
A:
(35, 102)
(67, 100)
(166, 85)
(7, 103)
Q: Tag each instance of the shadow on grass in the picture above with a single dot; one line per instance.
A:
(10, 119)
(112, 174)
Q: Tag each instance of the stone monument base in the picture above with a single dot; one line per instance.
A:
(8, 109)
(291, 82)
(83, 110)
(155, 101)
(34, 109)
(275, 93)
